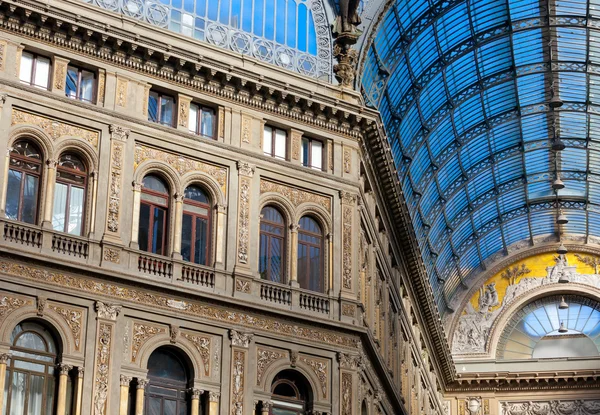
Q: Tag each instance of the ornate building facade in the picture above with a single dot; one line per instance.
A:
(204, 213)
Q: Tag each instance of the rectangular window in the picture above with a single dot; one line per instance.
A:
(202, 120)
(161, 109)
(80, 84)
(311, 153)
(34, 70)
(275, 142)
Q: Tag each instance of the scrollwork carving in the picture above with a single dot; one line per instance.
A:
(240, 339)
(264, 359)
(244, 220)
(73, 318)
(347, 214)
(237, 382)
(346, 398)
(9, 304)
(294, 195)
(321, 371)
(202, 345)
(107, 311)
(141, 334)
(102, 368)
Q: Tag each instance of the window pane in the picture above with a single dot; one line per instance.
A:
(280, 141)
(26, 67)
(153, 107)
(13, 194)
(153, 405)
(76, 211)
(186, 237)
(268, 141)
(166, 110)
(196, 194)
(201, 241)
(36, 390)
(34, 367)
(42, 72)
(304, 151)
(144, 226)
(193, 119)
(302, 266)
(71, 85)
(207, 123)
(315, 269)
(49, 395)
(158, 231)
(276, 254)
(170, 408)
(87, 86)
(316, 161)
(60, 207)
(17, 398)
(263, 258)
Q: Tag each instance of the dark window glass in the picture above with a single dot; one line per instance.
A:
(195, 241)
(160, 109)
(201, 120)
(25, 168)
(289, 393)
(69, 195)
(272, 245)
(167, 391)
(154, 209)
(310, 255)
(80, 84)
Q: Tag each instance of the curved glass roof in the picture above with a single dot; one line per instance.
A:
(463, 88)
(293, 34)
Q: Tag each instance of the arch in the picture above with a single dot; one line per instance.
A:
(162, 170)
(280, 202)
(308, 262)
(206, 182)
(291, 389)
(81, 148)
(321, 215)
(305, 370)
(35, 134)
(274, 249)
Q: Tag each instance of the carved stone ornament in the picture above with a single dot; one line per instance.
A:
(346, 55)
(296, 141)
(181, 164)
(347, 254)
(4, 358)
(101, 87)
(142, 383)
(41, 305)
(60, 74)
(3, 47)
(349, 310)
(173, 333)
(320, 369)
(347, 160)
(107, 311)
(73, 318)
(237, 382)
(346, 394)
(55, 129)
(240, 339)
(242, 285)
(294, 195)
(141, 334)
(221, 122)
(202, 345)
(119, 133)
(552, 407)
(126, 380)
(246, 128)
(101, 377)
(214, 396)
(122, 93)
(264, 359)
(245, 169)
(196, 393)
(112, 255)
(210, 312)
(294, 358)
(184, 109)
(116, 184)
(9, 304)
(266, 405)
(244, 220)
(350, 361)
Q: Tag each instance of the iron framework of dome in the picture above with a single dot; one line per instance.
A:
(473, 95)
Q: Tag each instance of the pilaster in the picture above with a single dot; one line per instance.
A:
(104, 351)
(240, 342)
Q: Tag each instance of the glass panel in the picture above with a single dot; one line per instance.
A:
(13, 194)
(201, 241)
(195, 209)
(165, 365)
(73, 162)
(302, 266)
(208, 117)
(42, 72)
(153, 405)
(166, 110)
(26, 69)
(280, 411)
(316, 161)
(144, 230)
(76, 211)
(87, 86)
(6, 384)
(60, 207)
(193, 119)
(263, 258)
(268, 141)
(49, 394)
(158, 231)
(154, 183)
(315, 269)
(196, 194)
(34, 367)
(304, 151)
(170, 407)
(186, 237)
(159, 200)
(71, 84)
(36, 390)
(276, 254)
(17, 397)
(280, 143)
(31, 341)
(153, 107)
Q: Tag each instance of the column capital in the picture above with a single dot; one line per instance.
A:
(126, 380)
(179, 197)
(214, 396)
(266, 406)
(294, 227)
(64, 368)
(137, 186)
(221, 208)
(52, 163)
(245, 169)
(142, 383)
(196, 393)
(80, 371)
(4, 358)
(118, 133)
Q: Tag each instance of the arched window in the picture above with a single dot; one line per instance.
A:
(310, 255)
(24, 175)
(154, 215)
(30, 387)
(272, 245)
(195, 231)
(290, 394)
(69, 195)
(166, 393)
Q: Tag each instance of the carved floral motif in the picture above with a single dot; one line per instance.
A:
(184, 108)
(346, 397)
(246, 129)
(320, 368)
(264, 359)
(102, 368)
(116, 183)
(107, 311)
(112, 255)
(349, 310)
(101, 87)
(73, 318)
(55, 129)
(202, 345)
(9, 304)
(60, 75)
(141, 334)
(244, 220)
(242, 285)
(3, 46)
(347, 160)
(553, 407)
(294, 195)
(122, 92)
(296, 139)
(240, 339)
(237, 382)
(347, 246)
(221, 123)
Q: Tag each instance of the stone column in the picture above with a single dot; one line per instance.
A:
(118, 137)
(3, 360)
(294, 257)
(240, 342)
(221, 226)
(124, 400)
(213, 403)
(139, 396)
(178, 225)
(63, 377)
(266, 407)
(196, 401)
(78, 392)
(49, 194)
(59, 75)
(245, 173)
(135, 223)
(105, 330)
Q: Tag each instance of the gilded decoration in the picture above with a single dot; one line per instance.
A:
(112, 255)
(9, 304)
(210, 312)
(73, 318)
(118, 136)
(349, 310)
(202, 345)
(3, 47)
(54, 129)
(221, 123)
(347, 213)
(294, 195)
(264, 359)
(101, 87)
(182, 165)
(296, 139)
(237, 382)
(347, 160)
(102, 368)
(122, 92)
(320, 369)
(246, 129)
(242, 285)
(240, 339)
(60, 74)
(146, 98)
(244, 220)
(330, 154)
(184, 109)
(552, 407)
(141, 334)
(346, 383)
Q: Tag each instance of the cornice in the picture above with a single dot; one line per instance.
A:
(159, 60)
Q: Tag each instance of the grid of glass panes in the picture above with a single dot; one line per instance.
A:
(34, 70)
(275, 142)
(160, 108)
(80, 84)
(69, 195)
(201, 120)
(311, 153)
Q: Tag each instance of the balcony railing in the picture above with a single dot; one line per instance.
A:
(155, 265)
(69, 245)
(275, 294)
(22, 234)
(194, 274)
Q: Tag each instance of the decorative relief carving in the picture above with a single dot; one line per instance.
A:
(54, 129)
(107, 311)
(237, 382)
(244, 220)
(264, 359)
(102, 368)
(553, 407)
(321, 370)
(350, 361)
(101, 87)
(347, 160)
(41, 305)
(122, 93)
(246, 129)
(202, 345)
(347, 213)
(184, 109)
(242, 285)
(182, 165)
(119, 133)
(221, 123)
(296, 139)
(141, 334)
(9, 304)
(126, 340)
(112, 255)
(330, 153)
(294, 195)
(240, 339)
(125, 380)
(138, 296)
(349, 310)
(60, 74)
(173, 333)
(73, 318)
(116, 172)
(346, 383)
(3, 47)
(245, 169)
(214, 396)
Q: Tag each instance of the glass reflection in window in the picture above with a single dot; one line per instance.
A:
(24, 175)
(195, 232)
(69, 195)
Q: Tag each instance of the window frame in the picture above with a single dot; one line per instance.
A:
(153, 205)
(35, 57)
(78, 86)
(198, 124)
(69, 185)
(321, 246)
(195, 215)
(274, 130)
(160, 95)
(181, 388)
(270, 235)
(27, 172)
(279, 402)
(310, 141)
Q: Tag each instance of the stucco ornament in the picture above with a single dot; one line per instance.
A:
(107, 311)
(294, 195)
(202, 345)
(237, 383)
(240, 339)
(8, 304)
(551, 407)
(264, 359)
(102, 368)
